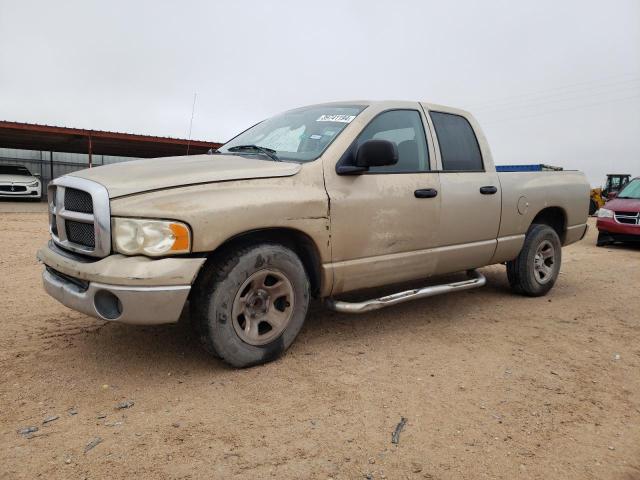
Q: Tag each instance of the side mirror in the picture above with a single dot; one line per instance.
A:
(612, 195)
(37, 175)
(376, 153)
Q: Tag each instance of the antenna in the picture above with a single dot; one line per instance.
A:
(193, 109)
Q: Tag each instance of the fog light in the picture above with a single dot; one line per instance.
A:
(107, 304)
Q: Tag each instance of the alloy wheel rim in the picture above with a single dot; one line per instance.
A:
(263, 307)
(544, 262)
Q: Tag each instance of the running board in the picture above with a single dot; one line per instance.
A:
(476, 279)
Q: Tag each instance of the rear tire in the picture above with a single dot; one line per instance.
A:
(250, 304)
(593, 207)
(536, 268)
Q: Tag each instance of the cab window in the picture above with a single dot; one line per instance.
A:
(459, 147)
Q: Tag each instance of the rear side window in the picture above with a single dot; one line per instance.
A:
(459, 147)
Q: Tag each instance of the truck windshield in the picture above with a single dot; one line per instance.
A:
(14, 170)
(299, 135)
(631, 191)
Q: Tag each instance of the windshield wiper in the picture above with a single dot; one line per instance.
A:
(265, 151)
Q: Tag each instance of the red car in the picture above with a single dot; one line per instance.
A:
(619, 219)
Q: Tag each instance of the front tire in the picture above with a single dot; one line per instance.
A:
(603, 240)
(250, 304)
(535, 270)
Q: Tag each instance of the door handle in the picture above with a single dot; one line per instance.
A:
(489, 190)
(426, 193)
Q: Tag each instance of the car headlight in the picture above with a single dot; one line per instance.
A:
(605, 213)
(34, 184)
(137, 236)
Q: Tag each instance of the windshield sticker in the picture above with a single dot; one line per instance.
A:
(315, 137)
(336, 118)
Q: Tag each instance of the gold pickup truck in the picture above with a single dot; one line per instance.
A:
(315, 202)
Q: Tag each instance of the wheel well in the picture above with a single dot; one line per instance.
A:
(296, 240)
(555, 217)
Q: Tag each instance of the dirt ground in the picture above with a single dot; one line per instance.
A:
(492, 385)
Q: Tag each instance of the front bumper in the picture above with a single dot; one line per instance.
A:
(614, 228)
(136, 290)
(135, 305)
(30, 192)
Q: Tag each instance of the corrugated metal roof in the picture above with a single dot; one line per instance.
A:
(34, 136)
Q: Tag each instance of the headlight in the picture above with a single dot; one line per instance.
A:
(137, 236)
(34, 184)
(605, 213)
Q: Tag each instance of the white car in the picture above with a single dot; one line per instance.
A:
(16, 181)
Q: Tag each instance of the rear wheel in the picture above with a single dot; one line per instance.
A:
(250, 304)
(535, 270)
(593, 207)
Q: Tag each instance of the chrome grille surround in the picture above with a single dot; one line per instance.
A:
(627, 218)
(100, 218)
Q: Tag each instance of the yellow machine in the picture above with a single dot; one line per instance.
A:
(599, 196)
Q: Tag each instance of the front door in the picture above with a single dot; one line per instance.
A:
(384, 222)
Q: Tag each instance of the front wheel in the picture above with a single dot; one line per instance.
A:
(250, 304)
(535, 270)
(603, 239)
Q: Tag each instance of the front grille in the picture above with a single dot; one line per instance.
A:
(81, 233)
(79, 215)
(78, 201)
(628, 218)
(13, 188)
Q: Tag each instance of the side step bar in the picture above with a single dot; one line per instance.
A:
(476, 279)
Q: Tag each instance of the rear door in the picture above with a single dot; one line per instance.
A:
(471, 197)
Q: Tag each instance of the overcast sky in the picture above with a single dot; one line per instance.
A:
(551, 81)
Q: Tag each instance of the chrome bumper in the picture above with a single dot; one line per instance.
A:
(123, 304)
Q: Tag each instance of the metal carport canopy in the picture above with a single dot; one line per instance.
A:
(76, 140)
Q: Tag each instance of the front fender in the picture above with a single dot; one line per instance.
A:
(220, 211)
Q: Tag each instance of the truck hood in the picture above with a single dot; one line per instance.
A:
(623, 205)
(137, 176)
